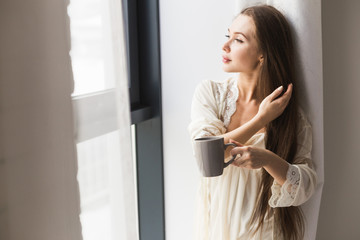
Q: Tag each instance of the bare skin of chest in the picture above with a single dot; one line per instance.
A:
(244, 113)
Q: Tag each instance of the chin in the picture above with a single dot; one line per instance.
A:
(228, 70)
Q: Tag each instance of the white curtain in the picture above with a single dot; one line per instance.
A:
(124, 203)
(39, 195)
(305, 18)
(38, 188)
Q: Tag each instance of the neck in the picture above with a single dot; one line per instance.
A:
(247, 83)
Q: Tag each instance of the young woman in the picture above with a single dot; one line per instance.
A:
(258, 196)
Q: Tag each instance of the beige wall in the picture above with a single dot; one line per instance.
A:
(39, 197)
(340, 210)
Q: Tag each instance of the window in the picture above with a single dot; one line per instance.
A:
(94, 104)
(144, 65)
(95, 108)
(91, 46)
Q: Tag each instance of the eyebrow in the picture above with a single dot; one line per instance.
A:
(238, 33)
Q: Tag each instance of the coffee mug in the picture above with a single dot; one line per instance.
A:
(209, 154)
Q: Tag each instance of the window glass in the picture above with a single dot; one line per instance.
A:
(94, 160)
(96, 117)
(91, 46)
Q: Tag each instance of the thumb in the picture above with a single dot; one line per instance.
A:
(236, 151)
(235, 142)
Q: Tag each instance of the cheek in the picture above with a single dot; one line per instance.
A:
(241, 50)
(245, 57)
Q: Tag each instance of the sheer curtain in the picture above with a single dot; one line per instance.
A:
(125, 215)
(305, 18)
(102, 117)
(39, 197)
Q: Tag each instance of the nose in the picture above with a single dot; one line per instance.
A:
(226, 46)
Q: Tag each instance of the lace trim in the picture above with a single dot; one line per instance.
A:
(227, 93)
(284, 196)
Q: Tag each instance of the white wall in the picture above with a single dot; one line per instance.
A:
(192, 33)
(40, 199)
(340, 211)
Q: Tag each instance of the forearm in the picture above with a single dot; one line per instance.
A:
(243, 133)
(276, 167)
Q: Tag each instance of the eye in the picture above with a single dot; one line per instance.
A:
(237, 40)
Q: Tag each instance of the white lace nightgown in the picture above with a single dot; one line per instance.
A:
(225, 203)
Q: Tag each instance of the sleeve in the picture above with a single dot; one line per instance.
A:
(204, 113)
(301, 177)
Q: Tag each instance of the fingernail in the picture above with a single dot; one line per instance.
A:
(279, 88)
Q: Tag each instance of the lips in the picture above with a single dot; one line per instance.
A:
(225, 59)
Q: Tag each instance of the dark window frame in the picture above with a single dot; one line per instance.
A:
(141, 18)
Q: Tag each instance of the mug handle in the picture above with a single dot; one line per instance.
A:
(233, 158)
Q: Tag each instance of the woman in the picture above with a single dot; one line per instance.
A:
(257, 197)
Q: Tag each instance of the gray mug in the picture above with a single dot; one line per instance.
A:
(209, 154)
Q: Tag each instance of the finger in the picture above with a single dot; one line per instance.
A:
(237, 160)
(237, 150)
(235, 142)
(290, 88)
(285, 98)
(275, 93)
(288, 92)
(241, 163)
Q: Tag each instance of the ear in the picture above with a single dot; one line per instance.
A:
(261, 59)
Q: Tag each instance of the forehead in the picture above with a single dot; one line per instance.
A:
(244, 24)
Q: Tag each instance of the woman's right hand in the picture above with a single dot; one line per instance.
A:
(271, 108)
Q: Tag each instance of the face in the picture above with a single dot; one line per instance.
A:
(241, 53)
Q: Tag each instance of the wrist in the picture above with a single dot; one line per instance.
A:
(273, 161)
(268, 158)
(260, 121)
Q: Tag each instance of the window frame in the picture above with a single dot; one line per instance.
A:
(144, 65)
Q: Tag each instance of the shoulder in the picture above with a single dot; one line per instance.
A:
(204, 85)
(211, 87)
(208, 85)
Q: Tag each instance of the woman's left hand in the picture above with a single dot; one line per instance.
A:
(249, 156)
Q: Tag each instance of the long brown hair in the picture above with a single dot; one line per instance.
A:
(278, 69)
